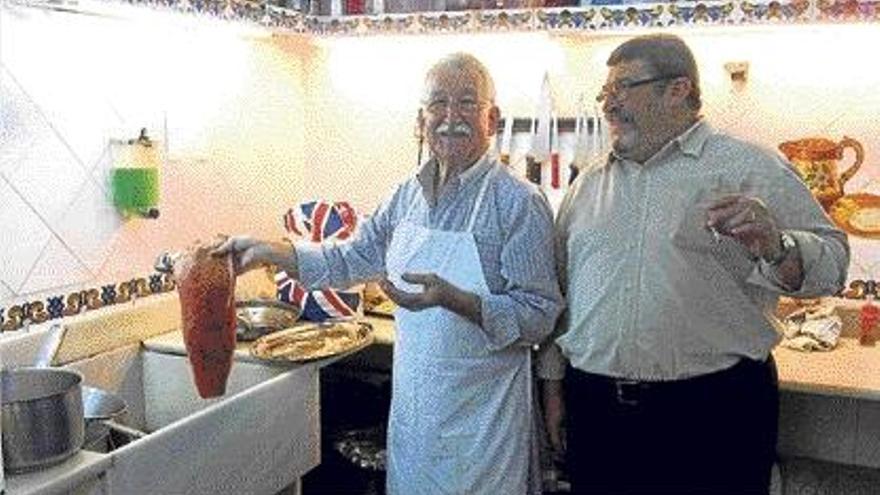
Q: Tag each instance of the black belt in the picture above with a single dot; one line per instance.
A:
(631, 392)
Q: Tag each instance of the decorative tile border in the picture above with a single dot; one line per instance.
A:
(513, 20)
(796, 11)
(703, 13)
(60, 306)
(861, 289)
(848, 10)
(572, 19)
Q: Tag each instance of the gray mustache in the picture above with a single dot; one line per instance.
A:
(459, 129)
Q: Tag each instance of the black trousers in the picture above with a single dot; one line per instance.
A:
(713, 434)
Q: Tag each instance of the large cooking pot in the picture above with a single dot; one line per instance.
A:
(99, 406)
(42, 414)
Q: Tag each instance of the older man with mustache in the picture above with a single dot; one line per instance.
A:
(464, 245)
(673, 255)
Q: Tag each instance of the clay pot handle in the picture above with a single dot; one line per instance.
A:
(848, 142)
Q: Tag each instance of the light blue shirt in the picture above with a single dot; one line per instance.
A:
(651, 295)
(513, 233)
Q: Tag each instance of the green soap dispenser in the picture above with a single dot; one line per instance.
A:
(134, 179)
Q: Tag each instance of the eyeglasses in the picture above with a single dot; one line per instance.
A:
(466, 105)
(619, 88)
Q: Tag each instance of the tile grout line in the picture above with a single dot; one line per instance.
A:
(34, 266)
(55, 131)
(48, 226)
(88, 172)
(80, 163)
(8, 288)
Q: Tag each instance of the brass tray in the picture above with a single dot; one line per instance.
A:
(858, 214)
(313, 341)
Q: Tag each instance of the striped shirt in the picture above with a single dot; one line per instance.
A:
(513, 233)
(651, 295)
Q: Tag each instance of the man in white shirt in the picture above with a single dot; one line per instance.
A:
(672, 257)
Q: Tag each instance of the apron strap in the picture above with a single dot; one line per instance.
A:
(479, 201)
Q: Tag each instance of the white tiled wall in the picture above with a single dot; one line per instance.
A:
(257, 123)
(230, 99)
(24, 236)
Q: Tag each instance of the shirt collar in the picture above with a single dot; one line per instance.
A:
(428, 171)
(690, 142)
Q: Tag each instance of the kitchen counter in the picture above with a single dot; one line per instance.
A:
(850, 370)
(270, 435)
(172, 343)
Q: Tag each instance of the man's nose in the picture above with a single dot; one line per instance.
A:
(453, 112)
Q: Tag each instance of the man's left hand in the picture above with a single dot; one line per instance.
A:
(436, 291)
(747, 220)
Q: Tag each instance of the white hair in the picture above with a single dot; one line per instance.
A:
(464, 63)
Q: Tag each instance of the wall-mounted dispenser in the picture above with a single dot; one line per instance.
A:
(739, 73)
(134, 179)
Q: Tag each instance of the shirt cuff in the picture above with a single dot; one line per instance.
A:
(768, 272)
(764, 275)
(550, 363)
(500, 325)
(314, 271)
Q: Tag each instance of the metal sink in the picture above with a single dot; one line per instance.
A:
(260, 437)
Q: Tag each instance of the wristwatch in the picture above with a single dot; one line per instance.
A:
(787, 244)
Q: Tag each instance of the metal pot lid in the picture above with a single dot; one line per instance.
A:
(100, 404)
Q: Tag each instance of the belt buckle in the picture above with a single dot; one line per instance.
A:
(628, 391)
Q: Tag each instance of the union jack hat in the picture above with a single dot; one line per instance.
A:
(318, 221)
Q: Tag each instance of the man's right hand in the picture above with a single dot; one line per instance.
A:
(554, 414)
(247, 253)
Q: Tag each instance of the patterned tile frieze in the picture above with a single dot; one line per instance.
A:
(861, 289)
(613, 18)
(388, 24)
(58, 306)
(848, 10)
(508, 20)
(446, 23)
(610, 17)
(703, 13)
(788, 12)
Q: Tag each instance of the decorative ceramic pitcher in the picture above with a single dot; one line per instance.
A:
(816, 161)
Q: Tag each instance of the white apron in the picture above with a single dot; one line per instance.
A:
(460, 418)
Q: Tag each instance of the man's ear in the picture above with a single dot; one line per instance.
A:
(419, 130)
(494, 118)
(680, 89)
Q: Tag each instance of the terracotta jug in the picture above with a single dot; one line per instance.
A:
(815, 159)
